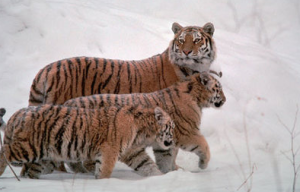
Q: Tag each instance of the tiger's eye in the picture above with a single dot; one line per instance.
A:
(197, 40)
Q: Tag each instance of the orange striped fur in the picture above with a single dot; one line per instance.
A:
(82, 76)
(191, 50)
(183, 101)
(61, 133)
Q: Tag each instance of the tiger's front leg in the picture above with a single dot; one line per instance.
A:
(105, 163)
(197, 144)
(139, 160)
(165, 159)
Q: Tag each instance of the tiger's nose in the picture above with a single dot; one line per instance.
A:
(187, 52)
(166, 143)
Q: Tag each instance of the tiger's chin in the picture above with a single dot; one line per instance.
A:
(195, 64)
(166, 145)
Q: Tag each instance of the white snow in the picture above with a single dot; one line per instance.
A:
(258, 53)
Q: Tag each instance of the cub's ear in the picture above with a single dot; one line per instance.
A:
(2, 112)
(176, 27)
(160, 115)
(204, 78)
(209, 28)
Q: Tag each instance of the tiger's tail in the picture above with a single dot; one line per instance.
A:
(2, 122)
(3, 163)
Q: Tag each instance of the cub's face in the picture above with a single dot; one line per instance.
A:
(2, 123)
(164, 137)
(193, 47)
(215, 94)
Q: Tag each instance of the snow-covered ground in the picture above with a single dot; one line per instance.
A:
(258, 53)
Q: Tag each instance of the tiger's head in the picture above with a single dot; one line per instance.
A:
(2, 123)
(193, 47)
(165, 133)
(207, 90)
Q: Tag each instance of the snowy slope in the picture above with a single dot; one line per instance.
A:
(261, 82)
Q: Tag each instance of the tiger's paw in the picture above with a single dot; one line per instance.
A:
(203, 163)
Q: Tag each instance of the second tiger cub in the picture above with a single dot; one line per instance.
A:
(61, 133)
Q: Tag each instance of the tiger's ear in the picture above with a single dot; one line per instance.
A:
(159, 115)
(2, 112)
(204, 78)
(176, 27)
(209, 28)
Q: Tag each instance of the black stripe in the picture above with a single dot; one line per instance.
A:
(48, 114)
(34, 88)
(88, 63)
(141, 164)
(93, 83)
(122, 99)
(38, 77)
(95, 76)
(137, 75)
(78, 71)
(146, 99)
(117, 88)
(12, 155)
(73, 135)
(107, 97)
(70, 69)
(129, 159)
(83, 78)
(162, 69)
(161, 151)
(193, 149)
(65, 77)
(80, 103)
(110, 76)
(60, 133)
(33, 99)
(129, 77)
(58, 73)
(116, 100)
(157, 71)
(24, 153)
(115, 124)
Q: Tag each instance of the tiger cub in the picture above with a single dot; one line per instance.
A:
(183, 101)
(35, 135)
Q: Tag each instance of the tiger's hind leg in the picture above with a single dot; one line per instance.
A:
(35, 170)
(78, 167)
(60, 166)
(53, 165)
(3, 163)
(89, 165)
(139, 160)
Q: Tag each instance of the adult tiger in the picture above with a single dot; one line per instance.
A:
(192, 49)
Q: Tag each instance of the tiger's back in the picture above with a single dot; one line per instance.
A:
(82, 76)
